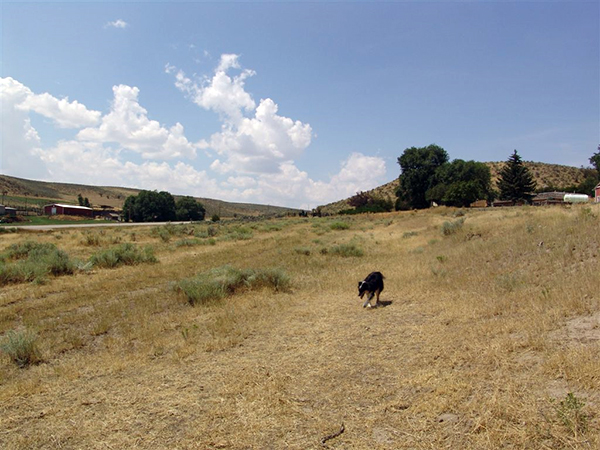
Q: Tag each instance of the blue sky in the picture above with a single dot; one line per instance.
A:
(292, 103)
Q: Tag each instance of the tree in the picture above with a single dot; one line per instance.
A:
(595, 160)
(80, 199)
(418, 165)
(516, 182)
(364, 202)
(460, 183)
(187, 208)
(360, 199)
(150, 206)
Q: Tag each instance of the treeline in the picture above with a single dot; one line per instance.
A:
(428, 176)
(153, 206)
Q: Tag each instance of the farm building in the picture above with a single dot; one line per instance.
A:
(549, 198)
(7, 211)
(68, 210)
(597, 193)
(479, 204)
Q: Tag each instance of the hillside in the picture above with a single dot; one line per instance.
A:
(545, 175)
(487, 337)
(17, 190)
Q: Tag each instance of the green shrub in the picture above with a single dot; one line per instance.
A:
(214, 285)
(347, 250)
(450, 228)
(31, 261)
(238, 233)
(21, 347)
(187, 242)
(339, 225)
(409, 234)
(124, 254)
(23, 249)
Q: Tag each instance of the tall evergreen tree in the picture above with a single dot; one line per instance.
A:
(516, 182)
(595, 160)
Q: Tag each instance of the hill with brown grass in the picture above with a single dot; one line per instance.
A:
(546, 176)
(20, 190)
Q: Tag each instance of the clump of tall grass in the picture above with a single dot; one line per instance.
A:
(450, 228)
(91, 239)
(194, 242)
(124, 254)
(238, 233)
(339, 225)
(302, 251)
(218, 283)
(21, 347)
(32, 261)
(347, 250)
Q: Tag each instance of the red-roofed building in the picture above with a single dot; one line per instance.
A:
(68, 210)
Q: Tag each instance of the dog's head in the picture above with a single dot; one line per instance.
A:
(363, 288)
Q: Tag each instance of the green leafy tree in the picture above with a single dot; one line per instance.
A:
(150, 206)
(187, 208)
(516, 182)
(460, 183)
(418, 166)
(86, 202)
(80, 200)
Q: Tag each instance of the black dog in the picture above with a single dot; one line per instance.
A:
(372, 285)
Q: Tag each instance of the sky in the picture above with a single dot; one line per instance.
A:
(293, 104)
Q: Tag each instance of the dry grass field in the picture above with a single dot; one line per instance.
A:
(490, 337)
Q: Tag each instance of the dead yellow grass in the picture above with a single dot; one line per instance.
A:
(488, 331)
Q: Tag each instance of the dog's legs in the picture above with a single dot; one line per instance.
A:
(377, 302)
(368, 302)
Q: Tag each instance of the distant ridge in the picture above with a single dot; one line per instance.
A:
(19, 189)
(545, 176)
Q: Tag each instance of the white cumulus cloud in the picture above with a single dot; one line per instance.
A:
(119, 23)
(252, 145)
(127, 124)
(64, 113)
(251, 158)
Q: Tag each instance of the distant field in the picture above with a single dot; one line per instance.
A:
(248, 335)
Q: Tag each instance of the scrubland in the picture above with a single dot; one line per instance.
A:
(251, 335)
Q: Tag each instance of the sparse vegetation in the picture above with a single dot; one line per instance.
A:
(496, 327)
(347, 250)
(218, 283)
(450, 228)
(338, 225)
(124, 254)
(21, 347)
(32, 261)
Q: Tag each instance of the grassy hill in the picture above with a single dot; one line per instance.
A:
(20, 191)
(489, 338)
(545, 175)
